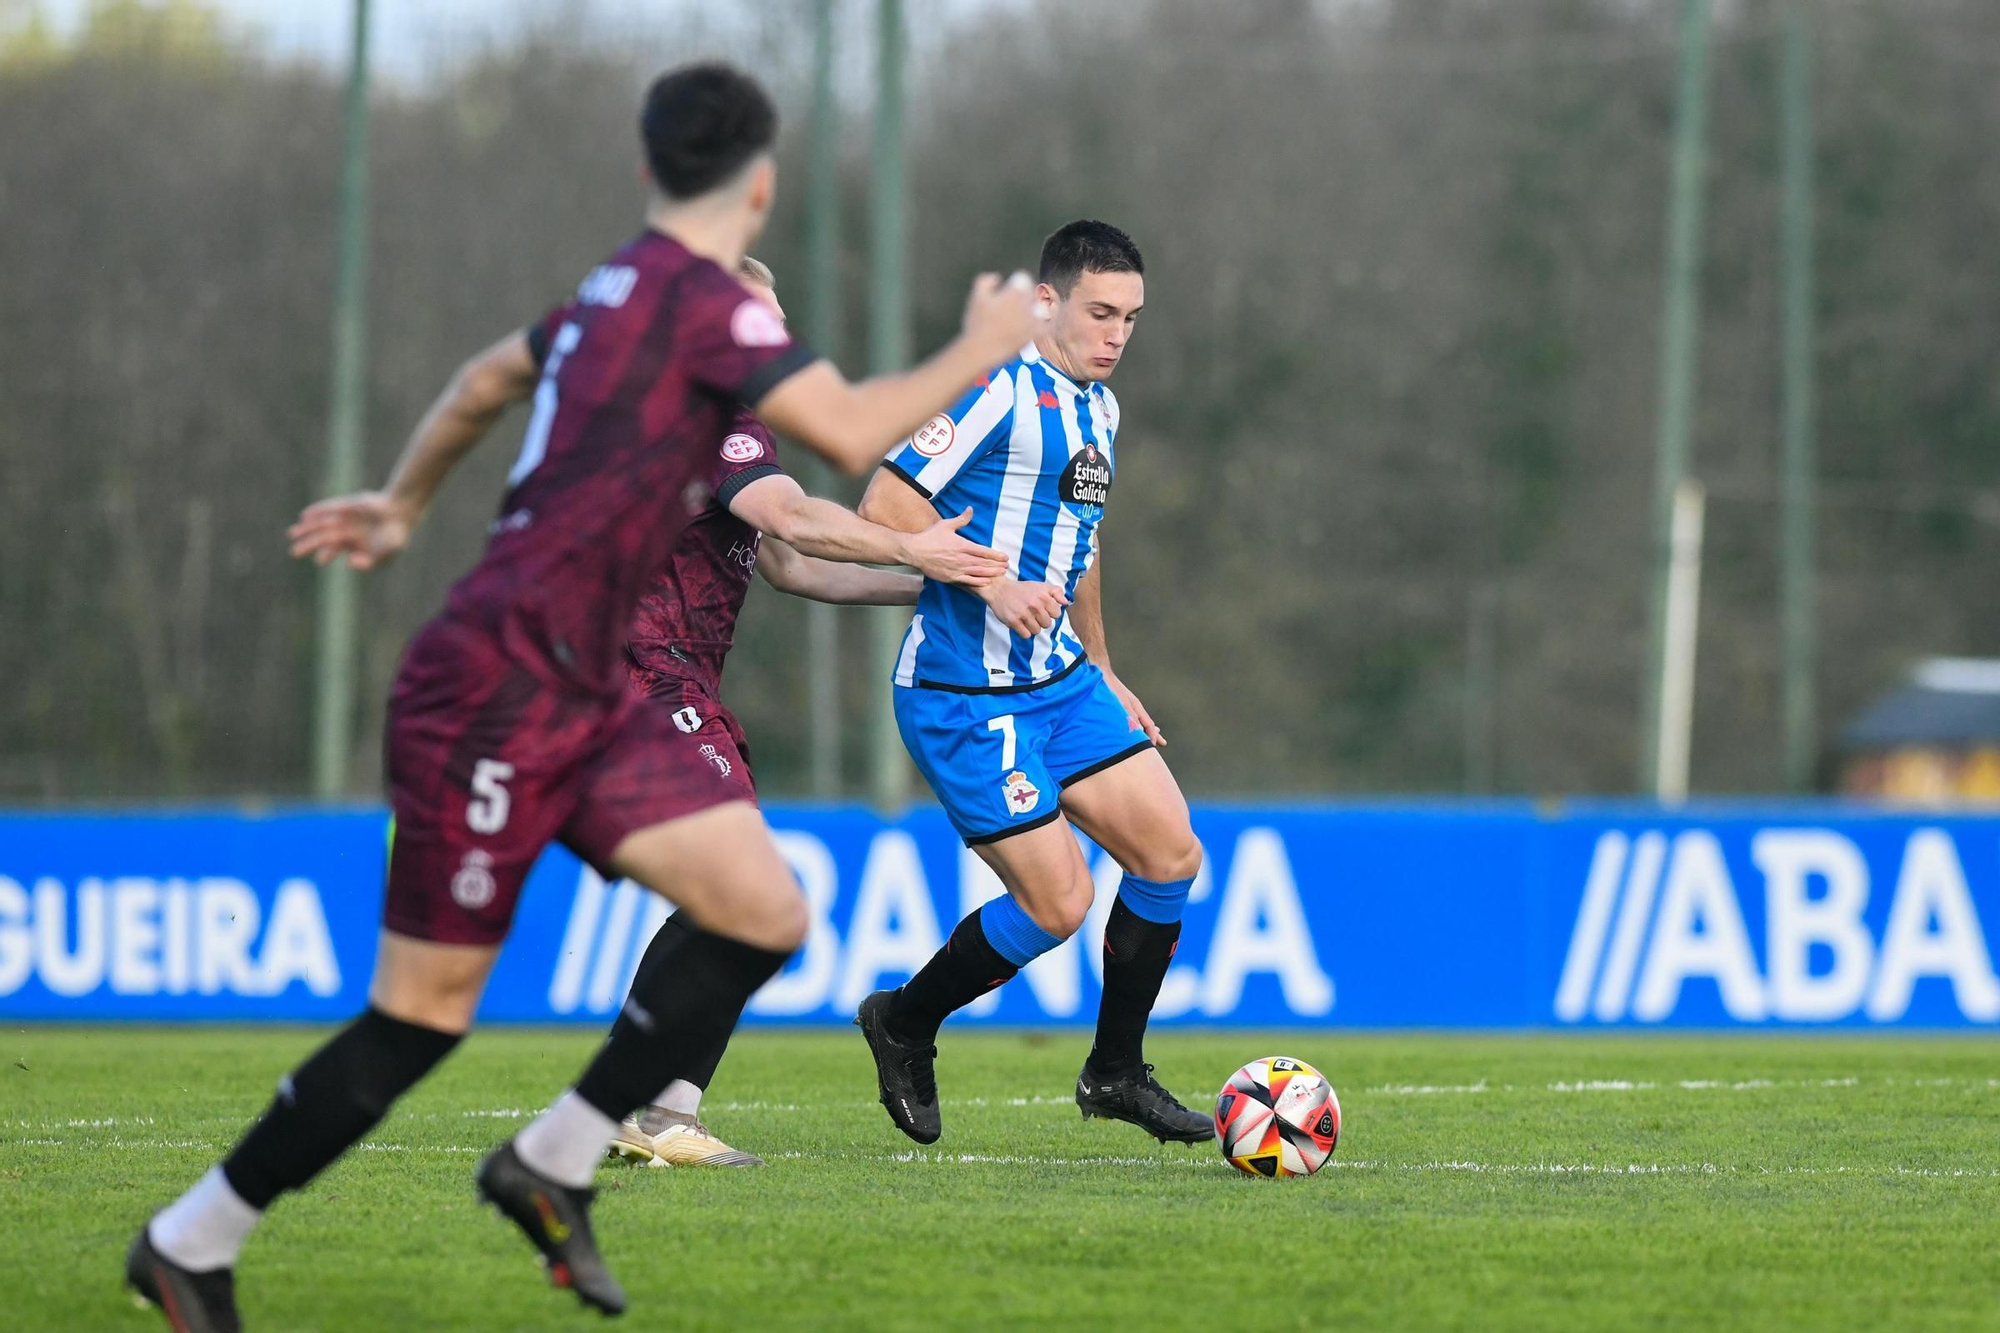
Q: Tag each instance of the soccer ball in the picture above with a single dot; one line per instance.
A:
(1277, 1117)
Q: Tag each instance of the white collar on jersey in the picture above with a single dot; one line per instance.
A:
(1034, 353)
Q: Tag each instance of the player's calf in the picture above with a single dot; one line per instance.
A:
(1140, 936)
(984, 952)
(322, 1109)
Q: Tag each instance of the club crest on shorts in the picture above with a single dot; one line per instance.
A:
(714, 756)
(473, 886)
(1022, 795)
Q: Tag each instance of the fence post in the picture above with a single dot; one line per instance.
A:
(334, 667)
(1680, 319)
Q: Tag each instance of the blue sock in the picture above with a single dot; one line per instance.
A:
(1013, 933)
(1153, 901)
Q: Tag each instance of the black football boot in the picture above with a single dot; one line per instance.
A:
(906, 1076)
(1138, 1099)
(192, 1302)
(557, 1219)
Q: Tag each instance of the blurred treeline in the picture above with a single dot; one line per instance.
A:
(1381, 516)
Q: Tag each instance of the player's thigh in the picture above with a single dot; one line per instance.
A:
(982, 755)
(1090, 731)
(673, 808)
(432, 985)
(724, 870)
(1135, 811)
(1045, 872)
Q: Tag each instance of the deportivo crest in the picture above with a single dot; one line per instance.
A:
(742, 448)
(710, 753)
(934, 436)
(1086, 482)
(473, 886)
(1022, 795)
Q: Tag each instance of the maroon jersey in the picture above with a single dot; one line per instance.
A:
(643, 370)
(687, 621)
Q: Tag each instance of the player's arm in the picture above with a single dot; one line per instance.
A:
(833, 581)
(372, 526)
(853, 425)
(1086, 617)
(1025, 608)
(776, 506)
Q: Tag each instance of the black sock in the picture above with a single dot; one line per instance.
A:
(966, 968)
(1136, 955)
(674, 932)
(679, 1014)
(324, 1107)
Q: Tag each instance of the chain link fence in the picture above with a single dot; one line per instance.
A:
(1382, 515)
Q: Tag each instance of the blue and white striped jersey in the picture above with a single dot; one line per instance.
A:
(1030, 452)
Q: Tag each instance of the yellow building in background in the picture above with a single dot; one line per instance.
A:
(1934, 741)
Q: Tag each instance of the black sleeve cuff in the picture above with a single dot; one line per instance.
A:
(733, 484)
(914, 484)
(538, 343)
(775, 372)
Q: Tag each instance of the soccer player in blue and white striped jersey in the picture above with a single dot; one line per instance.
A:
(1007, 701)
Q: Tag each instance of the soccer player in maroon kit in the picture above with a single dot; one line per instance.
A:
(757, 518)
(686, 625)
(512, 724)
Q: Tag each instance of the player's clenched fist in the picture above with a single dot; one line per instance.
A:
(1001, 316)
(938, 552)
(367, 529)
(1025, 608)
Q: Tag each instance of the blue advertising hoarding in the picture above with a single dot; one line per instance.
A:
(1500, 915)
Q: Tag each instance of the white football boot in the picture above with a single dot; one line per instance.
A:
(659, 1137)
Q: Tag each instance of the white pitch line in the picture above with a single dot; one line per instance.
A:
(1203, 1162)
(1481, 1088)
(1681, 1085)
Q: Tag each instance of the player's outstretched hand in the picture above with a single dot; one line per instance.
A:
(366, 529)
(1141, 719)
(938, 552)
(1001, 316)
(1025, 608)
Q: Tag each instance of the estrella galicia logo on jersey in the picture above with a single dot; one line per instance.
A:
(1022, 795)
(742, 448)
(1086, 482)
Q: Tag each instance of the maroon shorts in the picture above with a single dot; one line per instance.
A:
(488, 764)
(692, 708)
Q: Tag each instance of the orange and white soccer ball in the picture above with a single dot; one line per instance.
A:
(1277, 1117)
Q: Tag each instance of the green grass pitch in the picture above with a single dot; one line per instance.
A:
(1482, 1183)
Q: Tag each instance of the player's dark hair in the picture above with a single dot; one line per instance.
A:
(1084, 246)
(702, 124)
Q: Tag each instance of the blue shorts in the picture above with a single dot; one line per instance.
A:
(999, 762)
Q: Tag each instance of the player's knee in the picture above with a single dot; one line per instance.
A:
(787, 924)
(1178, 858)
(1069, 911)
